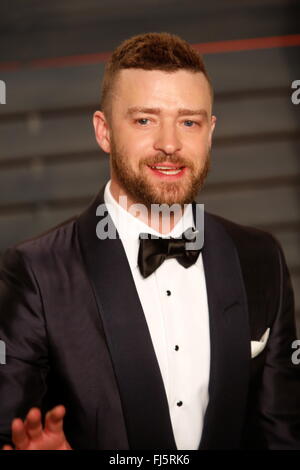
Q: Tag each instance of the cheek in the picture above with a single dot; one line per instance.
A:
(203, 144)
(137, 143)
(196, 147)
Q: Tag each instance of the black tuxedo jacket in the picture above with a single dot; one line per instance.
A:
(76, 335)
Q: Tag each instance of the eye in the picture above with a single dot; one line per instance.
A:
(141, 121)
(190, 123)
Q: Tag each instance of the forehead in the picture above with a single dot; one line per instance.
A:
(138, 87)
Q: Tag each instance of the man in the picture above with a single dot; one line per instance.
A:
(123, 342)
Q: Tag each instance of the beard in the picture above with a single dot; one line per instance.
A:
(143, 189)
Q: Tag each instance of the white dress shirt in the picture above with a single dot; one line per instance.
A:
(174, 302)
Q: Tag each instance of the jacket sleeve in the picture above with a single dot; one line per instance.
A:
(275, 410)
(23, 375)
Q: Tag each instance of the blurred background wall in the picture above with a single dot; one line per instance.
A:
(52, 57)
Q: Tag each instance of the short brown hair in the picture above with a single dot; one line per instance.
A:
(150, 51)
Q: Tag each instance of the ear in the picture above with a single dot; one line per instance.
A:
(102, 131)
(212, 127)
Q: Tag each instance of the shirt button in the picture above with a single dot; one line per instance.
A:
(179, 403)
(176, 347)
(168, 292)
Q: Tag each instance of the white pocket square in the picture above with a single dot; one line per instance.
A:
(258, 346)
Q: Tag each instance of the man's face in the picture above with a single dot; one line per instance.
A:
(160, 135)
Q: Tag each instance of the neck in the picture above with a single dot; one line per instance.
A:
(158, 218)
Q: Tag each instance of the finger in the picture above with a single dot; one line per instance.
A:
(33, 423)
(19, 435)
(7, 447)
(54, 419)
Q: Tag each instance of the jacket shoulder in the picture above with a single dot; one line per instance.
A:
(53, 242)
(249, 241)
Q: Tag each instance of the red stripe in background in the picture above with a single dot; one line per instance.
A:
(248, 44)
(203, 48)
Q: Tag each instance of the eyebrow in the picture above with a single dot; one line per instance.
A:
(181, 111)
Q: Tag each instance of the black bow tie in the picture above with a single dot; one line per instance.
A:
(154, 251)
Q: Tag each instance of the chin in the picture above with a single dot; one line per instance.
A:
(171, 197)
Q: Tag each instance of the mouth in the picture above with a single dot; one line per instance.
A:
(167, 170)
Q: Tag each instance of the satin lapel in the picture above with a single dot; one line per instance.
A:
(229, 338)
(133, 357)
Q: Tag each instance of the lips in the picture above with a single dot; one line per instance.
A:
(167, 169)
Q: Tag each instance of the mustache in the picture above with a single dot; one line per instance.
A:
(160, 158)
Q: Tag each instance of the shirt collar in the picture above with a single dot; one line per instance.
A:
(129, 227)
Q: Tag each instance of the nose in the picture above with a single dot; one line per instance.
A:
(167, 139)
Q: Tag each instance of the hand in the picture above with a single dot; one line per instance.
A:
(30, 435)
